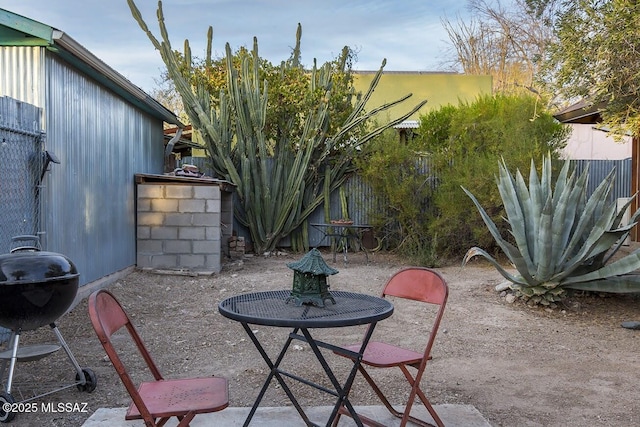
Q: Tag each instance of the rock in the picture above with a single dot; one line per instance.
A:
(510, 298)
(631, 325)
(503, 286)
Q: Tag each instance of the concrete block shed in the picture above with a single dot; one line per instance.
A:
(183, 224)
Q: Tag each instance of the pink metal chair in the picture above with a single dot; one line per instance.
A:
(155, 401)
(422, 285)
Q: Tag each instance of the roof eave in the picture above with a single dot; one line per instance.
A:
(37, 32)
(106, 75)
(580, 112)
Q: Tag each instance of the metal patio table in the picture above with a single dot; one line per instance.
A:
(272, 308)
(342, 232)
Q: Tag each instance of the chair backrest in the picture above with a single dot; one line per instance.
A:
(107, 317)
(423, 285)
(418, 284)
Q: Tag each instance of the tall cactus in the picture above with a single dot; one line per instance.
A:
(278, 183)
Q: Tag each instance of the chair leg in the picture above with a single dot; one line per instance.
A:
(404, 416)
(379, 393)
(336, 420)
(429, 407)
(365, 420)
(186, 419)
(415, 390)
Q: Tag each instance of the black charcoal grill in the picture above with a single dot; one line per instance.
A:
(36, 288)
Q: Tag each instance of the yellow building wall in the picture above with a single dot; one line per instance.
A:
(438, 89)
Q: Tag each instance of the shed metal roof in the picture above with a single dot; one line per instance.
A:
(17, 30)
(580, 112)
(407, 124)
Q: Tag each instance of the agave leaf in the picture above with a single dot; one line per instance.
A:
(624, 265)
(514, 255)
(535, 197)
(596, 244)
(632, 221)
(545, 179)
(574, 205)
(539, 290)
(530, 224)
(544, 246)
(557, 291)
(603, 224)
(624, 284)
(561, 182)
(590, 208)
(550, 285)
(513, 208)
(475, 251)
(563, 216)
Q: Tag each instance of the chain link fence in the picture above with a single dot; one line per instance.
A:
(21, 170)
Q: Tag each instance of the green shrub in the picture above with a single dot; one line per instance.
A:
(466, 144)
(403, 195)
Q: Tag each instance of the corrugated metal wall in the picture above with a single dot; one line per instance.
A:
(21, 71)
(88, 210)
(101, 142)
(599, 169)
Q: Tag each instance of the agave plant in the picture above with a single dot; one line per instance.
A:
(563, 239)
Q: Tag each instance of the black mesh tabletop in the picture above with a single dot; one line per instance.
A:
(270, 308)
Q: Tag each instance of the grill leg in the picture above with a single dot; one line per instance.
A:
(3, 365)
(15, 339)
(74, 362)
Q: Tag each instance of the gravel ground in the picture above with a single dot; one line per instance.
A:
(519, 366)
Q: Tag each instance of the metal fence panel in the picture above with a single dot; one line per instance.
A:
(361, 201)
(599, 169)
(20, 170)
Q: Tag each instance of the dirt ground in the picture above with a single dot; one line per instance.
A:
(519, 366)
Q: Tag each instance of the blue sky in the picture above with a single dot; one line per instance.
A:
(408, 33)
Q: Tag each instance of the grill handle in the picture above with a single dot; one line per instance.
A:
(25, 238)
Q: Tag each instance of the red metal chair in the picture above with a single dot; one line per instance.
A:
(155, 401)
(422, 285)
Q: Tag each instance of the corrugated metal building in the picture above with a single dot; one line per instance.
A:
(101, 127)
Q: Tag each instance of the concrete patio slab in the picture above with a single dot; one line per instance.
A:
(452, 416)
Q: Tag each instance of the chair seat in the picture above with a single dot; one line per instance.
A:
(383, 355)
(170, 397)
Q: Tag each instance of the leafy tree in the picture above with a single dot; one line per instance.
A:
(282, 171)
(504, 41)
(466, 143)
(597, 57)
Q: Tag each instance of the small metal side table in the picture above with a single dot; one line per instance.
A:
(270, 308)
(342, 232)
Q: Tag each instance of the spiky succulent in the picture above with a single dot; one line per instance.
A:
(563, 239)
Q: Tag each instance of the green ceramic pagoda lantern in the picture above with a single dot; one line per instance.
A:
(310, 280)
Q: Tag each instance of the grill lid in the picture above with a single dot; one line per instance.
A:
(35, 267)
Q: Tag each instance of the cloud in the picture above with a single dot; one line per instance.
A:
(406, 32)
